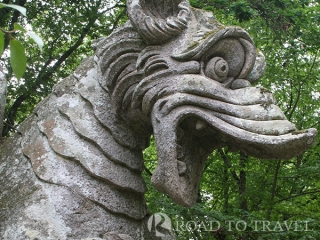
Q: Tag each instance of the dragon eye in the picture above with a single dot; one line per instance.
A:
(217, 68)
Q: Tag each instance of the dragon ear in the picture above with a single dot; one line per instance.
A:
(158, 21)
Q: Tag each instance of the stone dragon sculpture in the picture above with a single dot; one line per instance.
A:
(73, 170)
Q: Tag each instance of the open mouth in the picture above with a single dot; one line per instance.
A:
(196, 115)
(199, 100)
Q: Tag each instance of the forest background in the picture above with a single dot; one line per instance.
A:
(240, 197)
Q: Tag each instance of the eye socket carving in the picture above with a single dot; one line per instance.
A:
(217, 68)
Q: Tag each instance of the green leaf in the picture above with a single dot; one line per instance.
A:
(1, 42)
(34, 36)
(17, 26)
(18, 58)
(16, 7)
(37, 39)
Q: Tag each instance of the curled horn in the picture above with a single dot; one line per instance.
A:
(158, 21)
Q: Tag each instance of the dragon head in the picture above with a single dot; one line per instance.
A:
(178, 73)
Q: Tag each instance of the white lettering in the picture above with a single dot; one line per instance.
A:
(215, 222)
(256, 226)
(287, 227)
(179, 227)
(266, 224)
(306, 229)
(278, 225)
(189, 226)
(202, 226)
(244, 226)
(229, 228)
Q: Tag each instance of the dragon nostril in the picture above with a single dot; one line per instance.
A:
(217, 68)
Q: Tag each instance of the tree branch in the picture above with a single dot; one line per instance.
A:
(44, 76)
(147, 171)
(115, 23)
(300, 88)
(297, 195)
(296, 102)
(243, 181)
(228, 164)
(12, 114)
(273, 189)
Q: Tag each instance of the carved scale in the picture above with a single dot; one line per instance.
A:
(74, 169)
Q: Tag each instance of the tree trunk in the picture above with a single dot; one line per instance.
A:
(274, 188)
(243, 182)
(243, 188)
(225, 190)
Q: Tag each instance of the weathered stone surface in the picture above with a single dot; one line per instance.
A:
(74, 169)
(258, 68)
(47, 189)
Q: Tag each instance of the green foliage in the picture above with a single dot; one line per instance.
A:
(22, 10)
(18, 58)
(38, 40)
(68, 28)
(242, 10)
